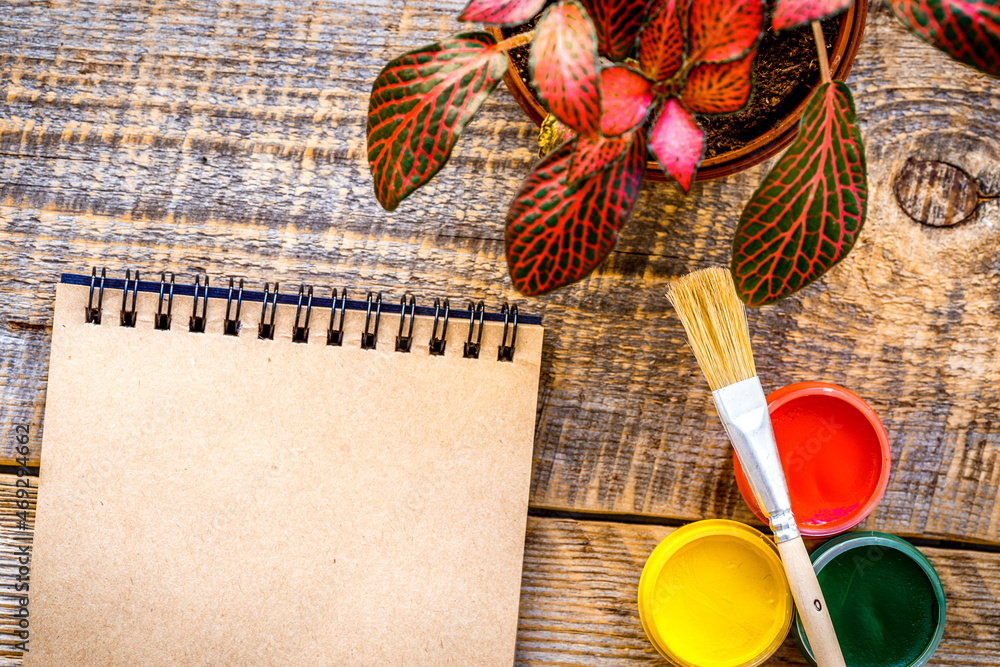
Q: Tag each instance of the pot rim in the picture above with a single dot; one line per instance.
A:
(845, 47)
(762, 547)
(845, 543)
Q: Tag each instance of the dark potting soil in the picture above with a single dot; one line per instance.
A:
(785, 70)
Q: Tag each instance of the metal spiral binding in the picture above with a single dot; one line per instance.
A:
(270, 299)
(92, 314)
(162, 320)
(403, 343)
(128, 316)
(506, 352)
(336, 336)
(471, 350)
(265, 331)
(231, 326)
(197, 322)
(437, 343)
(369, 338)
(300, 333)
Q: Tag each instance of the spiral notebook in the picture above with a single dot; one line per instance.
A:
(241, 477)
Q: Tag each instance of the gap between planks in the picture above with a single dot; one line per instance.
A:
(668, 522)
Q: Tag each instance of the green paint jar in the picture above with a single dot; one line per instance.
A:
(885, 599)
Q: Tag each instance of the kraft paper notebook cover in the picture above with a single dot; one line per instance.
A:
(209, 499)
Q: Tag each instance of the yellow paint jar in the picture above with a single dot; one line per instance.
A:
(714, 594)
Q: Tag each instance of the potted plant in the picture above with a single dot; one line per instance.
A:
(671, 62)
(785, 72)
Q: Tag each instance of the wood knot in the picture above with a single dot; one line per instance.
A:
(936, 193)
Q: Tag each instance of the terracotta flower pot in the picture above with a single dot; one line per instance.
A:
(852, 26)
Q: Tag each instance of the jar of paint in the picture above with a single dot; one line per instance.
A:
(714, 594)
(885, 599)
(835, 454)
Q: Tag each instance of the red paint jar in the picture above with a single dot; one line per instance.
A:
(835, 454)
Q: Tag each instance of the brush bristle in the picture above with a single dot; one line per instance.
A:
(716, 325)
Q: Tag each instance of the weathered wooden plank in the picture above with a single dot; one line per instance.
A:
(578, 593)
(230, 139)
(578, 598)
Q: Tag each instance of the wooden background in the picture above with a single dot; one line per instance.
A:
(228, 138)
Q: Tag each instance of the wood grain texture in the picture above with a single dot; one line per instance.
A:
(228, 138)
(578, 598)
(578, 595)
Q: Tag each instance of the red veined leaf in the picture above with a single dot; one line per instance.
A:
(617, 23)
(721, 30)
(501, 12)
(557, 235)
(806, 214)
(968, 30)
(564, 66)
(661, 42)
(420, 103)
(677, 142)
(595, 153)
(625, 98)
(791, 13)
(714, 88)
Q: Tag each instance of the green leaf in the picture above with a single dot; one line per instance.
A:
(809, 210)
(419, 105)
(967, 30)
(558, 233)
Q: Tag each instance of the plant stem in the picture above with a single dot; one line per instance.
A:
(675, 83)
(515, 41)
(824, 63)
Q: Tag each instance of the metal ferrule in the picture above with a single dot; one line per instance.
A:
(743, 409)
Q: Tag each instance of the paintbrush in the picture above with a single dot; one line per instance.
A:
(716, 325)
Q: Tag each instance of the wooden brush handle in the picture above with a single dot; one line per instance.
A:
(810, 603)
